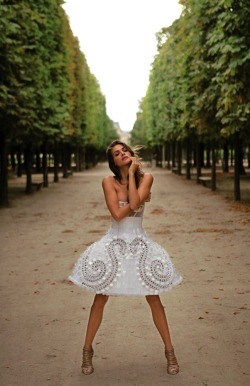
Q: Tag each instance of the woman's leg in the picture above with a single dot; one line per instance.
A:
(95, 319)
(160, 321)
(159, 318)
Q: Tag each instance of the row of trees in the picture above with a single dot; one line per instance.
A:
(49, 99)
(199, 91)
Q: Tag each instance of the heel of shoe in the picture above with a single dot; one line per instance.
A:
(87, 366)
(172, 364)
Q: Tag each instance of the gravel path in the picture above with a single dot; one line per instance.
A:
(43, 315)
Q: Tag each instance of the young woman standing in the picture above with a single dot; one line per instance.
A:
(126, 261)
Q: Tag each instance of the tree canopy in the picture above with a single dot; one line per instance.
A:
(47, 91)
(199, 83)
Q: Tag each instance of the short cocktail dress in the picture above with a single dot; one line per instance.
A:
(125, 262)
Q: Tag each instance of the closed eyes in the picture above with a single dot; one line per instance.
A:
(124, 150)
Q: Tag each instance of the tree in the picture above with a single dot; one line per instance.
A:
(199, 89)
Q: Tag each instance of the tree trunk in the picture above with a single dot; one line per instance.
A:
(202, 150)
(168, 157)
(241, 159)
(45, 165)
(28, 162)
(38, 161)
(173, 154)
(64, 160)
(19, 162)
(208, 161)
(83, 158)
(213, 182)
(56, 162)
(77, 158)
(225, 167)
(188, 166)
(68, 152)
(13, 160)
(232, 156)
(50, 160)
(195, 157)
(91, 156)
(198, 161)
(163, 163)
(179, 157)
(237, 167)
(4, 200)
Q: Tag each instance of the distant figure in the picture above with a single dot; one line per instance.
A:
(126, 261)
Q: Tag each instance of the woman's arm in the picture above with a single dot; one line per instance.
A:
(118, 213)
(142, 194)
(138, 195)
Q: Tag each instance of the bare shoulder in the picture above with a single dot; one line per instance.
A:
(147, 180)
(107, 180)
(148, 177)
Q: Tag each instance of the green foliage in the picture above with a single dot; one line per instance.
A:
(46, 87)
(33, 68)
(199, 79)
(138, 135)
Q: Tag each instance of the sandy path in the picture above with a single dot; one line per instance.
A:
(43, 316)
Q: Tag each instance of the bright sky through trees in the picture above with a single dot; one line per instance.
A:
(118, 40)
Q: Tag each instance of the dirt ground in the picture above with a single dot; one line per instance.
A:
(43, 315)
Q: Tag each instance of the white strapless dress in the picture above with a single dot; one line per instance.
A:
(125, 262)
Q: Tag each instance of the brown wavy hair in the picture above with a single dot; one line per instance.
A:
(133, 151)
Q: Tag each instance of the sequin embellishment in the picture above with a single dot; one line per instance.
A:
(99, 274)
(156, 273)
(154, 268)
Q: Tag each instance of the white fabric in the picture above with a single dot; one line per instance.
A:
(125, 262)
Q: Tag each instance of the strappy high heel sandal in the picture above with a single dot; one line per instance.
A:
(87, 366)
(172, 365)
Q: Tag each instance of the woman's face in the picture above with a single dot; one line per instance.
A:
(121, 155)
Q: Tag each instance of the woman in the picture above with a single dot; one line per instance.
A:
(126, 261)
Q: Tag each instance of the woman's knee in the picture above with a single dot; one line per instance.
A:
(100, 300)
(153, 300)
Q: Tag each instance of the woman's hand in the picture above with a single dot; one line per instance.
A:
(134, 165)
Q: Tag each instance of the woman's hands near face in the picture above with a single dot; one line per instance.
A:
(134, 165)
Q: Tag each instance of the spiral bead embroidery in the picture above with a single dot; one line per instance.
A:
(155, 273)
(99, 274)
(100, 266)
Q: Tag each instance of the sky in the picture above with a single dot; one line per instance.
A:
(118, 40)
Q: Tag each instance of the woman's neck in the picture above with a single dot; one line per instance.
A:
(124, 175)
